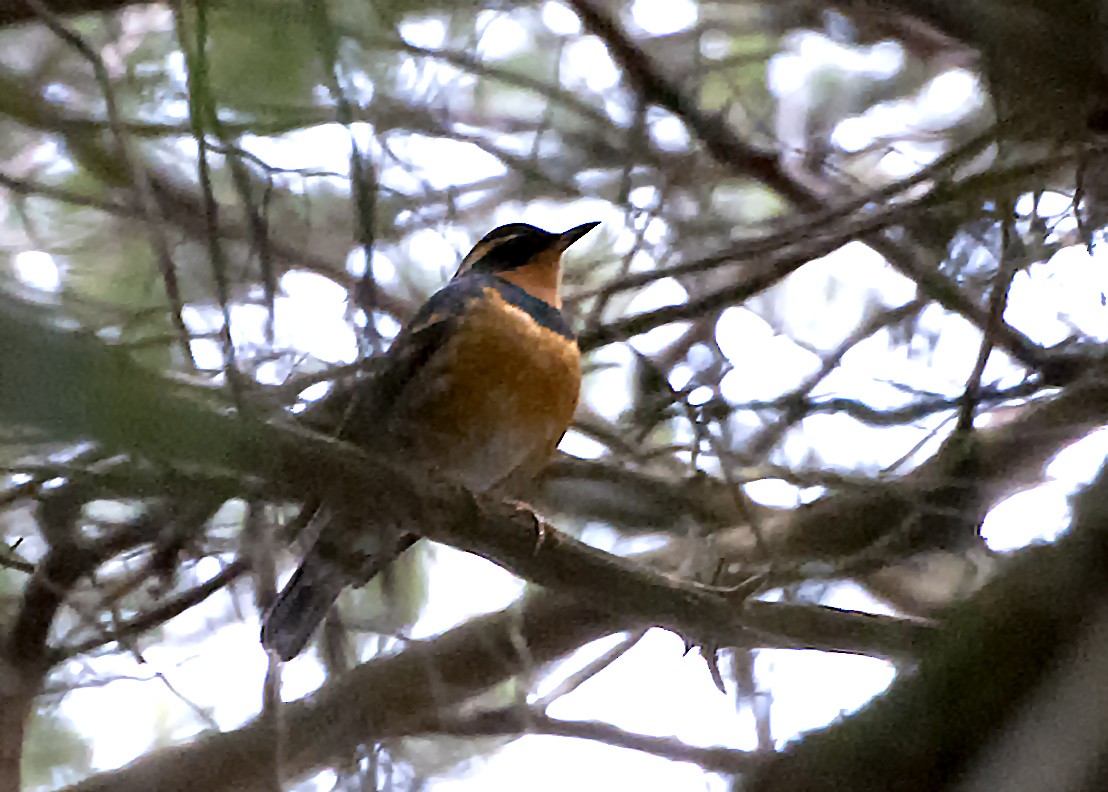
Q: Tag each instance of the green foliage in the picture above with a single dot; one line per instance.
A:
(262, 53)
(54, 753)
(742, 76)
(746, 201)
(528, 137)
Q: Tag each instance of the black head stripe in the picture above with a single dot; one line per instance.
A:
(506, 248)
(515, 230)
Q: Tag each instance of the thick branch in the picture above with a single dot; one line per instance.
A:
(373, 700)
(24, 659)
(514, 538)
(127, 408)
(1018, 634)
(1010, 457)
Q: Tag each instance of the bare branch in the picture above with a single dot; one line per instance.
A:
(143, 193)
(17, 12)
(173, 606)
(298, 461)
(712, 130)
(934, 726)
(373, 700)
(513, 720)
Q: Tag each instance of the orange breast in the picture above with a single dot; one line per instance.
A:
(497, 397)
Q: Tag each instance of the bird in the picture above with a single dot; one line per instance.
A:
(477, 389)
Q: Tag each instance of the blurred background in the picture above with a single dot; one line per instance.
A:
(843, 327)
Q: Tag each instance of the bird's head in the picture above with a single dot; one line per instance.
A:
(526, 256)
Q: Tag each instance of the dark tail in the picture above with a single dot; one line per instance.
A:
(313, 589)
(301, 605)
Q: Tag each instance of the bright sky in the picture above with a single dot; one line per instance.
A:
(655, 689)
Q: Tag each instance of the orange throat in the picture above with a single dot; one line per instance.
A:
(542, 278)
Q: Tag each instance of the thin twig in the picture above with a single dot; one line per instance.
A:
(363, 173)
(1006, 271)
(510, 721)
(797, 405)
(144, 198)
(168, 609)
(201, 110)
(712, 130)
(594, 667)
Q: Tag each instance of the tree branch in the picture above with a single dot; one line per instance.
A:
(173, 606)
(17, 12)
(371, 701)
(932, 728)
(127, 408)
(732, 152)
(1011, 457)
(24, 658)
(712, 130)
(516, 721)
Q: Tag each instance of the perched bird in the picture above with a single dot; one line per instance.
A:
(478, 389)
